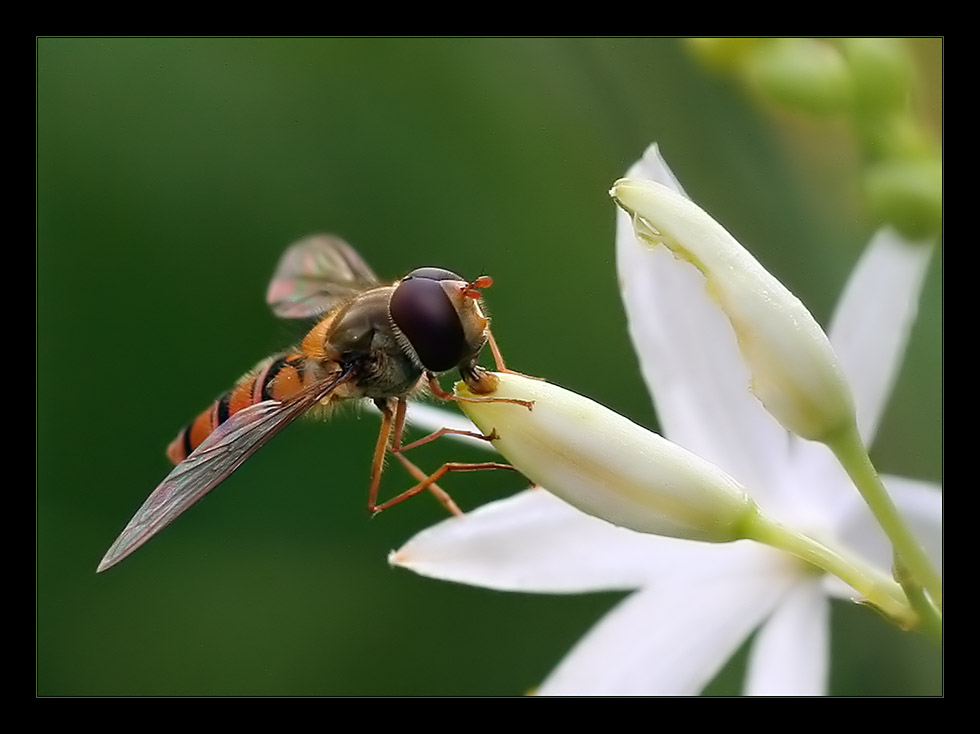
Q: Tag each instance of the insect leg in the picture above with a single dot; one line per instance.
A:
(485, 377)
(498, 358)
(399, 429)
(396, 420)
(449, 432)
(380, 448)
(440, 494)
(430, 480)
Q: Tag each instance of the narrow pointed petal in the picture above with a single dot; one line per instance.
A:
(688, 354)
(790, 654)
(871, 325)
(535, 542)
(672, 638)
(653, 167)
(919, 502)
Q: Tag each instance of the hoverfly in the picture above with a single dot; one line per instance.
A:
(371, 341)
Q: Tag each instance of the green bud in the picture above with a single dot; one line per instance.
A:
(881, 71)
(908, 194)
(722, 54)
(802, 74)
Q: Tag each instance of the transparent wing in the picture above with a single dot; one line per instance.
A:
(209, 464)
(314, 275)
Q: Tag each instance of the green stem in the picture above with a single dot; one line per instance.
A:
(930, 618)
(880, 590)
(853, 456)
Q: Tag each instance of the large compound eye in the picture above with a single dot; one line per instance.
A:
(421, 309)
(432, 274)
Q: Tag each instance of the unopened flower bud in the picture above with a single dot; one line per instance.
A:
(882, 72)
(608, 466)
(908, 194)
(795, 373)
(802, 74)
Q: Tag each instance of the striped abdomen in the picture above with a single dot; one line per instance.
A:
(276, 378)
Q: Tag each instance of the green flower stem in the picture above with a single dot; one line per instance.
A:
(930, 618)
(877, 588)
(853, 456)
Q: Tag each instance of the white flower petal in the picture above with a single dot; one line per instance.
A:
(815, 490)
(529, 542)
(535, 542)
(690, 359)
(653, 167)
(874, 316)
(790, 654)
(919, 502)
(672, 638)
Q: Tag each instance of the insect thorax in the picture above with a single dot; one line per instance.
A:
(364, 335)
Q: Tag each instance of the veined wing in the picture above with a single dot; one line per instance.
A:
(209, 464)
(314, 275)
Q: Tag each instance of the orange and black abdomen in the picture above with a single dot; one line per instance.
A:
(276, 378)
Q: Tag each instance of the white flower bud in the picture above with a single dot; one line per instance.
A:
(608, 466)
(794, 370)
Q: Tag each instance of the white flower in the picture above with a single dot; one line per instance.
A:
(695, 603)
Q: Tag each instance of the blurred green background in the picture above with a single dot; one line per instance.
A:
(171, 175)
